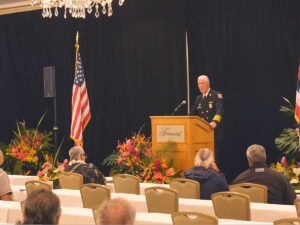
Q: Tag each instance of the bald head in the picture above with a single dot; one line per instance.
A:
(203, 84)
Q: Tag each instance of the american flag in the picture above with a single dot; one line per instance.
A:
(81, 113)
(297, 106)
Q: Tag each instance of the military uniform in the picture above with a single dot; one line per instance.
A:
(210, 108)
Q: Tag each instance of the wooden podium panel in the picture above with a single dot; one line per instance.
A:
(189, 133)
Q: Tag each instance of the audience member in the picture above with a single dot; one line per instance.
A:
(280, 190)
(207, 174)
(116, 211)
(41, 207)
(77, 164)
(5, 189)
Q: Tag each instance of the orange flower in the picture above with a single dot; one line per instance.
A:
(164, 166)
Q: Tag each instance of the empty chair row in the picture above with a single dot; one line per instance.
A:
(157, 195)
(193, 218)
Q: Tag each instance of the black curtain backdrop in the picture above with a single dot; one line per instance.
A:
(135, 67)
(250, 50)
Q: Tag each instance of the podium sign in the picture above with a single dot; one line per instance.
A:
(174, 133)
(190, 133)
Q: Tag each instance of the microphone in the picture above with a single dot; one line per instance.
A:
(176, 109)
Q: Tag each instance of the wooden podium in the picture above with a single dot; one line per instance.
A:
(190, 133)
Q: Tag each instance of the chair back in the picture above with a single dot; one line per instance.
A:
(231, 205)
(256, 192)
(34, 185)
(126, 183)
(193, 218)
(96, 214)
(161, 200)
(22, 206)
(186, 188)
(70, 180)
(287, 221)
(93, 195)
(297, 205)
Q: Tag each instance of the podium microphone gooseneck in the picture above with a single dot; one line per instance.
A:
(178, 107)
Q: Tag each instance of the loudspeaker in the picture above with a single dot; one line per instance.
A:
(49, 82)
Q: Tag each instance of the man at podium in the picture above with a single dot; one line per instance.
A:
(209, 106)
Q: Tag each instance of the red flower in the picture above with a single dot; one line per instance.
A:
(119, 161)
(156, 164)
(170, 172)
(40, 173)
(129, 144)
(283, 162)
(65, 162)
(157, 176)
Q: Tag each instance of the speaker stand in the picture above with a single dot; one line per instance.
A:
(55, 127)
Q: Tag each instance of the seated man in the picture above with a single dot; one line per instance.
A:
(280, 190)
(5, 189)
(77, 164)
(207, 174)
(116, 211)
(41, 207)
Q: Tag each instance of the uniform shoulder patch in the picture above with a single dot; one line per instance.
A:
(220, 96)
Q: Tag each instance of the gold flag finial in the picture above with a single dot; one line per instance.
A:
(77, 37)
(77, 48)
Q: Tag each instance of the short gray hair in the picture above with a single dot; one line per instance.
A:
(203, 77)
(117, 211)
(75, 152)
(204, 158)
(256, 153)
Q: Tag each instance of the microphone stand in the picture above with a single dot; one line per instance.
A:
(176, 109)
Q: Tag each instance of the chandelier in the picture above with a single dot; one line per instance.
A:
(76, 8)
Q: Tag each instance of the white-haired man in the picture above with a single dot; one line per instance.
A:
(77, 164)
(209, 106)
(116, 211)
(280, 190)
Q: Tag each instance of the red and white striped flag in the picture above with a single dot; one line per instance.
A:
(81, 113)
(297, 106)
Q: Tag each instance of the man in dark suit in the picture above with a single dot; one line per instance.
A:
(209, 106)
(280, 191)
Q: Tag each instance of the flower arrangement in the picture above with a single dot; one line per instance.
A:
(288, 143)
(135, 156)
(49, 171)
(291, 171)
(26, 150)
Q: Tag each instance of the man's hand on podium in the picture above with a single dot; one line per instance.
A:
(213, 124)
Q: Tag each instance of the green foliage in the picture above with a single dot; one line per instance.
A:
(288, 110)
(288, 144)
(288, 140)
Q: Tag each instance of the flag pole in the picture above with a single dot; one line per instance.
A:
(77, 47)
(81, 113)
